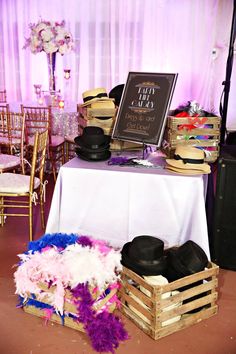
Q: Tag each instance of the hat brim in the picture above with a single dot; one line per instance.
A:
(94, 157)
(95, 99)
(83, 141)
(156, 268)
(184, 172)
(188, 166)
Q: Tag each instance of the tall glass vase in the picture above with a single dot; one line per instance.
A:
(51, 70)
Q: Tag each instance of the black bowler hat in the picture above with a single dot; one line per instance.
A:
(93, 138)
(185, 260)
(93, 156)
(144, 255)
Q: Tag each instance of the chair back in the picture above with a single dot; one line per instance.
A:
(4, 108)
(37, 119)
(4, 140)
(38, 158)
(16, 136)
(3, 96)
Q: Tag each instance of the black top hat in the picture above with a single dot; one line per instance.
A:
(185, 260)
(116, 93)
(93, 138)
(144, 255)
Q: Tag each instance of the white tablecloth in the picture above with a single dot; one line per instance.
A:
(118, 203)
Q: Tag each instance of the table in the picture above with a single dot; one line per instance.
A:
(117, 203)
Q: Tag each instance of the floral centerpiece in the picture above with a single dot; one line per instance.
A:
(50, 37)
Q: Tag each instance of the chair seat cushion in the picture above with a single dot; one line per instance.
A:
(8, 161)
(70, 138)
(16, 183)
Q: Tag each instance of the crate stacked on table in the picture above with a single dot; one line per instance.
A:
(73, 280)
(159, 315)
(105, 118)
(201, 132)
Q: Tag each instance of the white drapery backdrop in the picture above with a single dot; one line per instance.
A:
(113, 37)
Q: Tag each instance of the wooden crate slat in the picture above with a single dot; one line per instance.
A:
(154, 317)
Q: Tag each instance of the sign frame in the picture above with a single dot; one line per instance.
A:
(144, 106)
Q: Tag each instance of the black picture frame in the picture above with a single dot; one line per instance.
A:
(144, 106)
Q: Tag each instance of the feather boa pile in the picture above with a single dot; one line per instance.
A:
(72, 262)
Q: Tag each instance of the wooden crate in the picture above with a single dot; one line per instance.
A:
(205, 135)
(69, 306)
(154, 313)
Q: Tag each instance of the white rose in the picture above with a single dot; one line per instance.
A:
(40, 27)
(46, 35)
(63, 49)
(34, 41)
(50, 47)
(60, 34)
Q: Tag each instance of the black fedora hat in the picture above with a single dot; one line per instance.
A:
(144, 255)
(92, 138)
(185, 260)
(93, 156)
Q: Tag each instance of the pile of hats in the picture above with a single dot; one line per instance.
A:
(93, 144)
(145, 255)
(99, 109)
(188, 160)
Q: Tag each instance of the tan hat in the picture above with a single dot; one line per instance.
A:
(94, 95)
(182, 171)
(103, 104)
(188, 158)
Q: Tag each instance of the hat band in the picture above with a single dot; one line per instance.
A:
(186, 160)
(148, 263)
(99, 95)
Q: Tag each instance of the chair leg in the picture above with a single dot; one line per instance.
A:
(2, 211)
(63, 154)
(52, 161)
(42, 211)
(67, 150)
(30, 220)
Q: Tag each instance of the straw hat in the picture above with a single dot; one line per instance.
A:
(188, 160)
(101, 104)
(94, 95)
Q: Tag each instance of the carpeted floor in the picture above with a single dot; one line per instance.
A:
(21, 333)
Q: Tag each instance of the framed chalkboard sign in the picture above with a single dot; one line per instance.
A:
(145, 102)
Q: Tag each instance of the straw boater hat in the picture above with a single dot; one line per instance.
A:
(94, 95)
(188, 160)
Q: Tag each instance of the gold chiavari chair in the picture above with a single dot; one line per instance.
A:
(38, 119)
(4, 108)
(4, 134)
(15, 159)
(3, 96)
(20, 192)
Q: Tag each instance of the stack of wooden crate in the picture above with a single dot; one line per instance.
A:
(103, 114)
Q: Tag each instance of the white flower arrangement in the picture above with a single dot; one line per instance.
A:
(50, 37)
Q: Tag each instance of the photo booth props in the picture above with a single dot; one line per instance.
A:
(76, 278)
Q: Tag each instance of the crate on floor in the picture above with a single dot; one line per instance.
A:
(35, 306)
(162, 310)
(201, 132)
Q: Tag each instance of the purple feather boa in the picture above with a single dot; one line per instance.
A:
(104, 329)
